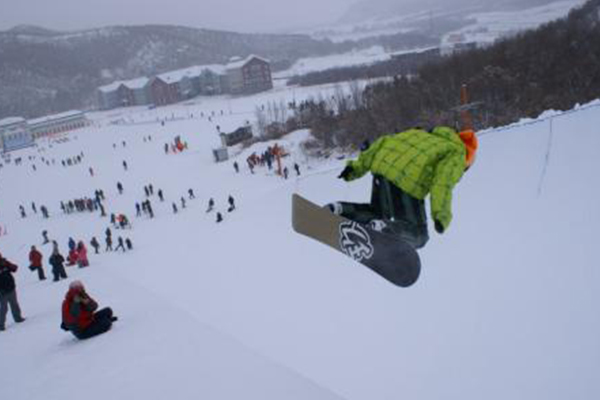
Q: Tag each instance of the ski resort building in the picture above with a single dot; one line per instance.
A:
(15, 134)
(247, 76)
(58, 123)
(124, 94)
(163, 90)
(250, 75)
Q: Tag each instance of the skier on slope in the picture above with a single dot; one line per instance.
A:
(406, 167)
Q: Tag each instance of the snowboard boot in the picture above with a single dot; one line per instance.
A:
(335, 208)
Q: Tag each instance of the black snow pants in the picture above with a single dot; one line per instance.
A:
(403, 214)
(103, 320)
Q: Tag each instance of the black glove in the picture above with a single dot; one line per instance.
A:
(439, 228)
(345, 174)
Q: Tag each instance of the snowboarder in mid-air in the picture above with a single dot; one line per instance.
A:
(406, 167)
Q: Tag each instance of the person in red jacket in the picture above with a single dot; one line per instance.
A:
(82, 259)
(35, 260)
(79, 315)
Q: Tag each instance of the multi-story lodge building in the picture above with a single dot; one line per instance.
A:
(251, 75)
(124, 94)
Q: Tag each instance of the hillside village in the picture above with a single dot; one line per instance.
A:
(238, 77)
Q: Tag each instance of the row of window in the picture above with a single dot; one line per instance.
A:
(58, 129)
(20, 136)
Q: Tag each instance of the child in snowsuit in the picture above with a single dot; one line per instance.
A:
(57, 261)
(79, 315)
(35, 260)
(82, 259)
(95, 244)
(406, 167)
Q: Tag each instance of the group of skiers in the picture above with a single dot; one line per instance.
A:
(72, 160)
(43, 210)
(121, 244)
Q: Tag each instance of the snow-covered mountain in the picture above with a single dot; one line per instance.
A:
(432, 17)
(506, 306)
(43, 71)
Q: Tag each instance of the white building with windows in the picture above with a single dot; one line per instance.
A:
(58, 123)
(15, 134)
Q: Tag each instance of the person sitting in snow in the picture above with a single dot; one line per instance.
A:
(79, 315)
(406, 167)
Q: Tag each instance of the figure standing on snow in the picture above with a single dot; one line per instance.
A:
(211, 205)
(22, 209)
(191, 194)
(128, 244)
(8, 293)
(120, 187)
(182, 202)
(45, 236)
(125, 165)
(174, 208)
(109, 242)
(219, 217)
(160, 195)
(120, 244)
(231, 204)
(79, 315)
(82, 259)
(35, 261)
(94, 243)
(297, 168)
(71, 244)
(236, 167)
(406, 167)
(57, 261)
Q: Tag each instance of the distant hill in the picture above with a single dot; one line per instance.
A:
(374, 9)
(43, 71)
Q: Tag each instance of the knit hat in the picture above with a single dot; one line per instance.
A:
(76, 285)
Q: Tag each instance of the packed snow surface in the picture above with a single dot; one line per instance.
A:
(506, 306)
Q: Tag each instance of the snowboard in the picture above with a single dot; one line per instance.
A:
(387, 255)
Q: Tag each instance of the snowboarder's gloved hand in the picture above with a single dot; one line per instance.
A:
(439, 228)
(345, 174)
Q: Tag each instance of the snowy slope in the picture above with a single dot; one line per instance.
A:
(506, 306)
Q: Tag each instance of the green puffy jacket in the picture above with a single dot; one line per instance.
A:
(418, 162)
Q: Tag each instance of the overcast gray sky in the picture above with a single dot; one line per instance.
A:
(237, 15)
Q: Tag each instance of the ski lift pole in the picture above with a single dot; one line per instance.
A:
(466, 120)
(465, 115)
